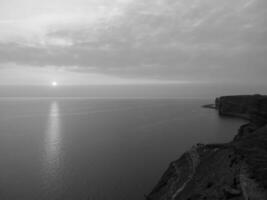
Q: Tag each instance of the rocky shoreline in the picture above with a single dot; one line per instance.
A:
(236, 170)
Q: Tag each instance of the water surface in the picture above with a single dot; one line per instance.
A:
(113, 149)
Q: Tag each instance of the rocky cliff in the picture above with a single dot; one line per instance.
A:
(235, 170)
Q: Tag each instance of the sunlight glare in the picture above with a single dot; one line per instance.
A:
(54, 84)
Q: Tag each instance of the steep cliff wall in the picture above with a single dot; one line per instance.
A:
(236, 170)
(251, 107)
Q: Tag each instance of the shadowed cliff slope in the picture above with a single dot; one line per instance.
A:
(235, 170)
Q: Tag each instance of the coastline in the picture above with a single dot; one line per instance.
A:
(235, 170)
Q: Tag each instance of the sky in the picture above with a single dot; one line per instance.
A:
(95, 42)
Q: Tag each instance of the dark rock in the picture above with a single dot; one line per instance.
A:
(236, 170)
(211, 106)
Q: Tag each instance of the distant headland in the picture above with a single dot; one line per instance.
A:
(236, 170)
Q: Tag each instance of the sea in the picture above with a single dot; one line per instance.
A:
(98, 148)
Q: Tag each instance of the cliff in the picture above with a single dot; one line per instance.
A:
(235, 170)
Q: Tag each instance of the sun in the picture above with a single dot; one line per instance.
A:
(54, 84)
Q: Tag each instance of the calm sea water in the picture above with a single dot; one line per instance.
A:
(98, 149)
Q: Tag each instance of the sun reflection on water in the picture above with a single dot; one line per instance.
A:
(52, 149)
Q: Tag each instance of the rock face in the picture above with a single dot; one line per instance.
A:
(235, 170)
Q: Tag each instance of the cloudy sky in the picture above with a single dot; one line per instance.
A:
(133, 41)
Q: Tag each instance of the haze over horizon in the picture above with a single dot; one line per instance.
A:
(103, 42)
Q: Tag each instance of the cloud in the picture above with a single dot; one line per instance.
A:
(206, 40)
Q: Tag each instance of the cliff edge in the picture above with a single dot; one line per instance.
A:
(236, 170)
